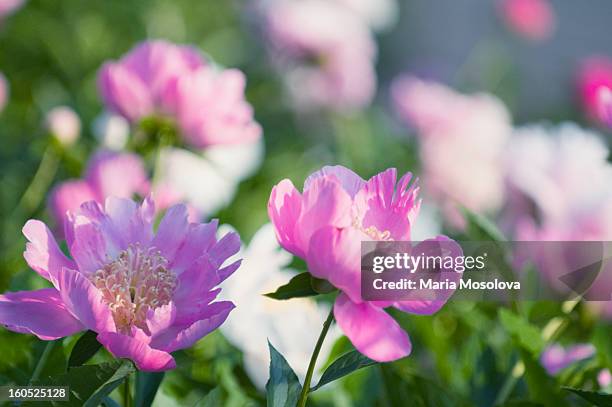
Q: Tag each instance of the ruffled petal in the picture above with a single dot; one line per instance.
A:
(284, 208)
(68, 196)
(84, 301)
(39, 312)
(199, 240)
(371, 330)
(172, 231)
(146, 358)
(124, 92)
(350, 181)
(181, 337)
(42, 252)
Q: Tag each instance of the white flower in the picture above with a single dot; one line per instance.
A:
(208, 181)
(291, 326)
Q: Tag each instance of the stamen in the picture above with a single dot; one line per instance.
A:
(372, 231)
(136, 282)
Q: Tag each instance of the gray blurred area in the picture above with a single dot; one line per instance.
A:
(464, 43)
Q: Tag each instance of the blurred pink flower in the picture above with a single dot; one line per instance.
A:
(4, 92)
(462, 139)
(604, 378)
(556, 358)
(326, 52)
(211, 108)
(559, 182)
(8, 7)
(145, 294)
(559, 190)
(161, 78)
(108, 174)
(594, 76)
(326, 225)
(531, 19)
(63, 124)
(378, 14)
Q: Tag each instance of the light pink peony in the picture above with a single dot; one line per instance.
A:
(108, 174)
(326, 52)
(145, 294)
(325, 226)
(556, 358)
(531, 19)
(462, 139)
(595, 76)
(158, 78)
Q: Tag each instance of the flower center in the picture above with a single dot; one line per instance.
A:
(372, 231)
(136, 282)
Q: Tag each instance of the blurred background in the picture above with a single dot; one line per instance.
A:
(50, 55)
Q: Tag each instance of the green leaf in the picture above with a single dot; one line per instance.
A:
(212, 399)
(109, 402)
(527, 335)
(298, 286)
(542, 388)
(84, 349)
(89, 384)
(147, 384)
(283, 388)
(344, 365)
(479, 228)
(597, 398)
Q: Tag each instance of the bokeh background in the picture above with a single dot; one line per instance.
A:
(51, 51)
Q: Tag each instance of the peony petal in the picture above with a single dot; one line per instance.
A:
(124, 93)
(335, 255)
(284, 208)
(39, 312)
(325, 203)
(146, 358)
(199, 240)
(350, 181)
(172, 231)
(84, 301)
(181, 337)
(371, 330)
(42, 252)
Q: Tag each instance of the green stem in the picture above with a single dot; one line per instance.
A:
(313, 359)
(43, 177)
(42, 361)
(127, 399)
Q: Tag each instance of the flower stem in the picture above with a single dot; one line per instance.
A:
(313, 359)
(127, 399)
(43, 177)
(42, 361)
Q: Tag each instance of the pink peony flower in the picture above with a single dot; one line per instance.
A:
(146, 295)
(4, 92)
(462, 139)
(556, 358)
(558, 181)
(326, 52)
(160, 78)
(8, 7)
(108, 174)
(63, 124)
(594, 77)
(325, 226)
(531, 19)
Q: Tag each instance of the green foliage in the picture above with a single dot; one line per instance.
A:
(344, 365)
(283, 387)
(298, 286)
